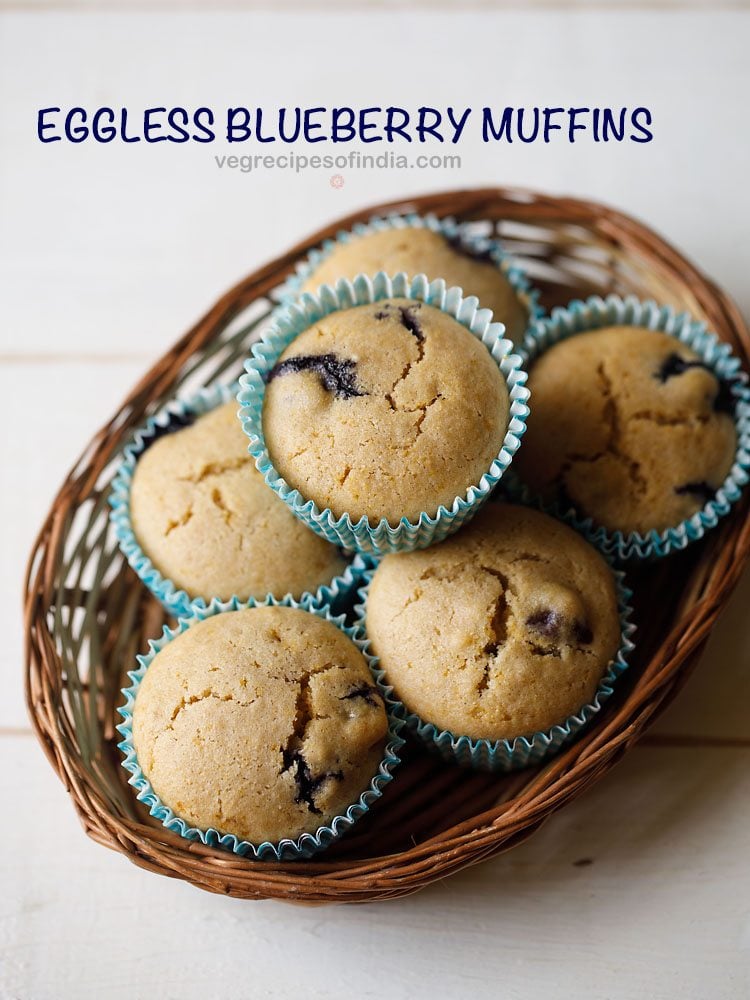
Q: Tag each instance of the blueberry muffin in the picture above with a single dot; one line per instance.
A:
(385, 410)
(264, 723)
(629, 426)
(208, 522)
(416, 250)
(504, 630)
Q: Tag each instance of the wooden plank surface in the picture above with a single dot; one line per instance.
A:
(121, 247)
(641, 889)
(638, 890)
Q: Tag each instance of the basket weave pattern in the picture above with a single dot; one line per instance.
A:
(87, 615)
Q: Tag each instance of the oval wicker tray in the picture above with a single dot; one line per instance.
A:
(86, 614)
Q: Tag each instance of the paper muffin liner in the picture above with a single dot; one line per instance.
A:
(520, 751)
(482, 247)
(594, 314)
(363, 535)
(176, 415)
(306, 844)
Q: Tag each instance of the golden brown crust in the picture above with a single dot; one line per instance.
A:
(421, 251)
(204, 516)
(264, 723)
(502, 630)
(384, 411)
(625, 425)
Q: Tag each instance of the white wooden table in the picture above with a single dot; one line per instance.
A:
(639, 889)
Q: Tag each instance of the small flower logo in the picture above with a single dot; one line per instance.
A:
(337, 181)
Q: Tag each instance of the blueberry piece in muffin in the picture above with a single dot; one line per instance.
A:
(241, 724)
(412, 413)
(676, 364)
(336, 374)
(503, 630)
(627, 427)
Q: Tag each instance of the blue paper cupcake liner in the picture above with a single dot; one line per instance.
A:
(594, 314)
(363, 535)
(308, 843)
(483, 247)
(520, 751)
(175, 416)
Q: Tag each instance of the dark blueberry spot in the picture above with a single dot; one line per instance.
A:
(308, 783)
(703, 490)
(337, 375)
(546, 622)
(463, 248)
(583, 862)
(176, 422)
(675, 365)
(367, 692)
(724, 401)
(410, 321)
(407, 316)
(582, 634)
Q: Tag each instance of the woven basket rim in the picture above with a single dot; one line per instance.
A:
(504, 824)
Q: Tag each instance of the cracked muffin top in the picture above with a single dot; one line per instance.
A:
(206, 519)
(629, 426)
(421, 251)
(264, 723)
(504, 630)
(384, 411)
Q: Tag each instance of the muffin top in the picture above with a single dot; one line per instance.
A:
(503, 630)
(204, 516)
(629, 426)
(422, 251)
(264, 723)
(384, 411)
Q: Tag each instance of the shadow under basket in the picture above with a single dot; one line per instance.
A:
(87, 614)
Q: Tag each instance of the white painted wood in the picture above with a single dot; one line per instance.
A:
(661, 911)
(715, 702)
(99, 256)
(368, 6)
(107, 255)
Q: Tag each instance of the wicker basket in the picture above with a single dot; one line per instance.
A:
(86, 614)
